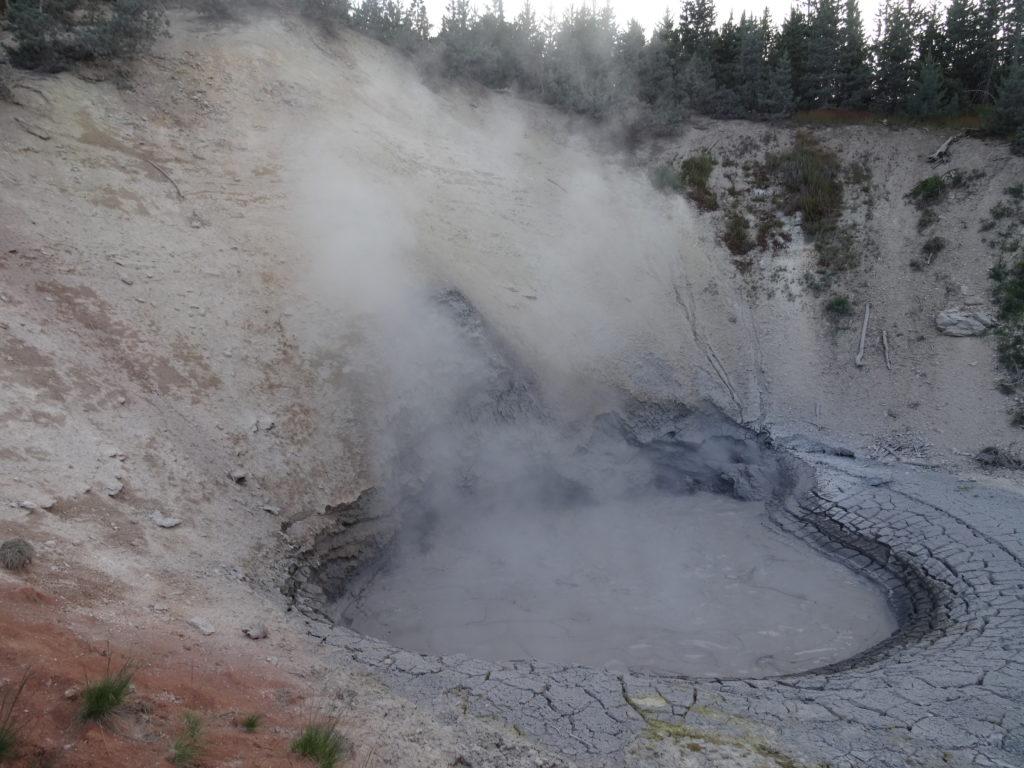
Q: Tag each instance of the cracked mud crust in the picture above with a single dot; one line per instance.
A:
(948, 689)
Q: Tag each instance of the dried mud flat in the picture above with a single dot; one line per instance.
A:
(179, 355)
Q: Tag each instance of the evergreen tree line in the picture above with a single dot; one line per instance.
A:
(919, 61)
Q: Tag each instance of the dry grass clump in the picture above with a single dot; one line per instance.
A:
(16, 554)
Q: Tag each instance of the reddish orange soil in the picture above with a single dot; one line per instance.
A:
(173, 677)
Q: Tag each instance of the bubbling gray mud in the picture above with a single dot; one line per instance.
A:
(638, 540)
(696, 585)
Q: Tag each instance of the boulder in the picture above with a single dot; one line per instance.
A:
(964, 322)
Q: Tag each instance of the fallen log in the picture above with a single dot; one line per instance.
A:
(943, 151)
(863, 335)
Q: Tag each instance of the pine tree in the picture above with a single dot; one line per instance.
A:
(960, 49)
(777, 98)
(629, 50)
(527, 44)
(457, 17)
(725, 55)
(820, 85)
(752, 67)
(660, 84)
(791, 43)
(418, 21)
(854, 68)
(931, 35)
(894, 54)
(697, 27)
(928, 97)
(1007, 114)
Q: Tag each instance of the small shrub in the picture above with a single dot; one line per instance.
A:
(16, 554)
(51, 35)
(770, 231)
(323, 743)
(10, 724)
(932, 247)
(694, 173)
(928, 191)
(1016, 192)
(187, 748)
(1001, 211)
(1008, 295)
(251, 722)
(836, 252)
(101, 698)
(737, 234)
(859, 171)
(811, 179)
(1002, 458)
(926, 219)
(1017, 417)
(839, 306)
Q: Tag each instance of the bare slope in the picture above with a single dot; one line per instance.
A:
(153, 343)
(939, 402)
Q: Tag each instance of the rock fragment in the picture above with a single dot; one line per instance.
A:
(165, 521)
(203, 625)
(963, 322)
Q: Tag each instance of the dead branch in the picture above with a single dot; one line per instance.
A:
(885, 347)
(943, 151)
(166, 176)
(39, 133)
(863, 335)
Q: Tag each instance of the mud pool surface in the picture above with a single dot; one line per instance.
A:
(696, 585)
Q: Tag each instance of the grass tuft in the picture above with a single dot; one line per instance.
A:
(10, 724)
(251, 722)
(839, 306)
(101, 698)
(323, 743)
(928, 191)
(811, 179)
(836, 251)
(737, 233)
(188, 748)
